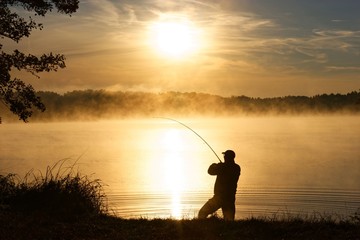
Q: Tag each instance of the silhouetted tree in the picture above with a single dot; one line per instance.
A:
(101, 104)
(15, 94)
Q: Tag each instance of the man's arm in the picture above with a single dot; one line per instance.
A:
(214, 169)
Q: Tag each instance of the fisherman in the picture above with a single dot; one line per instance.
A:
(227, 174)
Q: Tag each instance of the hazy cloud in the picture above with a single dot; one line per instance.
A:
(244, 42)
(342, 68)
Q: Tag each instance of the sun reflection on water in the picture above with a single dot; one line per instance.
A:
(173, 168)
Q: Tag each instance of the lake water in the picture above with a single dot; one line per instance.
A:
(157, 168)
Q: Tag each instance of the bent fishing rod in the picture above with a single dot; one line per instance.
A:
(174, 120)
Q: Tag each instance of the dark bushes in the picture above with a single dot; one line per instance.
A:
(60, 193)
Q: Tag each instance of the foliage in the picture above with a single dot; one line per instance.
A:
(356, 217)
(15, 94)
(60, 193)
(101, 104)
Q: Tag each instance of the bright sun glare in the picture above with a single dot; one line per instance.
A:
(174, 39)
(173, 168)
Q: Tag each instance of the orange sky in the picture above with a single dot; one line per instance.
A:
(257, 48)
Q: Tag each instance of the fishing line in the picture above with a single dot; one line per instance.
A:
(174, 120)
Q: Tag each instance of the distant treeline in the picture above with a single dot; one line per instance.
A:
(101, 104)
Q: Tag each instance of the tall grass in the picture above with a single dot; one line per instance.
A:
(60, 192)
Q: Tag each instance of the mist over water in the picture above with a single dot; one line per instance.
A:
(158, 168)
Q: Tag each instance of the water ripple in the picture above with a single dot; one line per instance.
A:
(249, 202)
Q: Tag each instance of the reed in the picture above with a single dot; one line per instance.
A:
(60, 192)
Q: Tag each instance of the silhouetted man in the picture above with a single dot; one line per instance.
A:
(228, 174)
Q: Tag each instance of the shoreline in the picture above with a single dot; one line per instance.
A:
(42, 226)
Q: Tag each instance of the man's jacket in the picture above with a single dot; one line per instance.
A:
(226, 180)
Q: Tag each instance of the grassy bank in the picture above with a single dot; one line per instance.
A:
(25, 226)
(62, 204)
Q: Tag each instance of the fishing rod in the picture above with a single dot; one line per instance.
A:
(174, 120)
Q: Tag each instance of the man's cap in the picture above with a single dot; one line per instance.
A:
(229, 153)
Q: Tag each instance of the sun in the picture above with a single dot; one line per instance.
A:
(174, 39)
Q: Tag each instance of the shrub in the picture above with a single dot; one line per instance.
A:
(61, 192)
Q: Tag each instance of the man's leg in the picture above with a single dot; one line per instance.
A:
(228, 210)
(209, 207)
